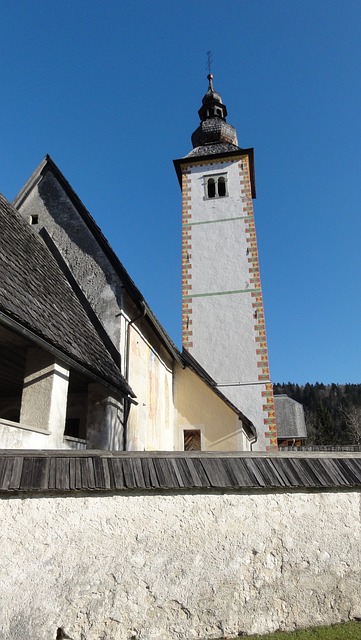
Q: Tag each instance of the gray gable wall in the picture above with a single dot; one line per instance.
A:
(35, 294)
(96, 268)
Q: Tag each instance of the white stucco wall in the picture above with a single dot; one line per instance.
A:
(198, 407)
(226, 317)
(151, 420)
(156, 566)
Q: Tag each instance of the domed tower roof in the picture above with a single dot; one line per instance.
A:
(212, 98)
(213, 128)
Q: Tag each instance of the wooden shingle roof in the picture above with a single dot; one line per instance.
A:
(28, 471)
(48, 165)
(36, 297)
(290, 417)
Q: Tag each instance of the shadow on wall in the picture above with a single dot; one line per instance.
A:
(67, 217)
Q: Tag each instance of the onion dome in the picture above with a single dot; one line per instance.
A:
(212, 99)
(213, 128)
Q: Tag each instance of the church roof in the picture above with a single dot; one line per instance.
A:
(212, 149)
(215, 151)
(49, 165)
(290, 417)
(214, 138)
(37, 300)
(213, 126)
(212, 96)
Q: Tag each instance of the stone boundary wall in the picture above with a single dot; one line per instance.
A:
(138, 565)
(326, 448)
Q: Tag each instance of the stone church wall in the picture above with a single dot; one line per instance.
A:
(147, 566)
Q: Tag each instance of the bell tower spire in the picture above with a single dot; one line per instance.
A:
(213, 127)
(222, 306)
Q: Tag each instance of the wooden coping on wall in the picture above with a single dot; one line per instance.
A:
(64, 471)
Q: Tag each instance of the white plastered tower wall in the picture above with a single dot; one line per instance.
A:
(222, 307)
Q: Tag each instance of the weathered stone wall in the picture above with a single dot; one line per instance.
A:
(160, 566)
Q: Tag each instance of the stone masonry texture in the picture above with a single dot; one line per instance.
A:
(140, 566)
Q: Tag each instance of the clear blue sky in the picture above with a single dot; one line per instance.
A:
(110, 89)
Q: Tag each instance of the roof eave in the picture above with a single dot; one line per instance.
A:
(178, 164)
(123, 390)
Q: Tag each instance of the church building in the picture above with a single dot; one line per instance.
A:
(85, 363)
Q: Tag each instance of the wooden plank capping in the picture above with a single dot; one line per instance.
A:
(26, 476)
(6, 478)
(106, 473)
(41, 473)
(99, 473)
(176, 472)
(16, 473)
(138, 473)
(62, 474)
(115, 471)
(351, 471)
(2, 470)
(128, 472)
(240, 473)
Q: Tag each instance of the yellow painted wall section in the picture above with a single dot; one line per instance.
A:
(198, 407)
(150, 424)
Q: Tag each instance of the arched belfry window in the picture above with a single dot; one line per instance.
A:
(211, 188)
(215, 186)
(221, 187)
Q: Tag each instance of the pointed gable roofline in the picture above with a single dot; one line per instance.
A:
(49, 165)
(212, 153)
(184, 359)
(37, 302)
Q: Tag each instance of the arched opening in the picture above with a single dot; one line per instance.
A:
(221, 187)
(211, 188)
(215, 186)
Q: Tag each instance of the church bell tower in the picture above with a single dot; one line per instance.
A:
(223, 323)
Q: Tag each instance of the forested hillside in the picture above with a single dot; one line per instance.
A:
(332, 412)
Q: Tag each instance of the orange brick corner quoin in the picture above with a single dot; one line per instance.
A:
(186, 260)
(259, 323)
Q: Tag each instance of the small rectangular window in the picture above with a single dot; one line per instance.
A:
(192, 440)
(34, 219)
(215, 186)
